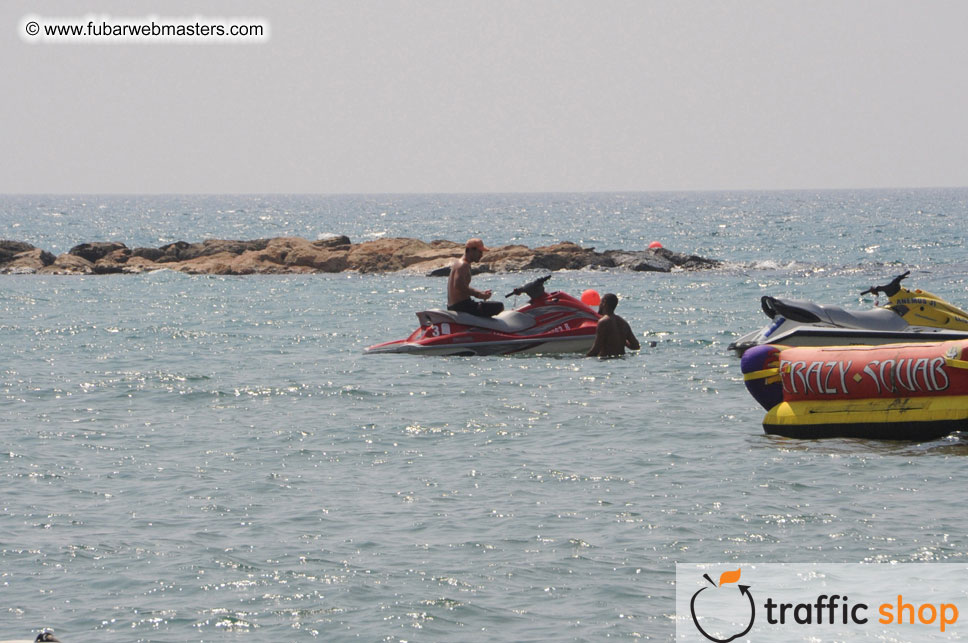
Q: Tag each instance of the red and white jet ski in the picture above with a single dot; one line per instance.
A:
(549, 323)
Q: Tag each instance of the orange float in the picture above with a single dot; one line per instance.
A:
(591, 298)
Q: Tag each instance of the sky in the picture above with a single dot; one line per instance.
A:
(432, 96)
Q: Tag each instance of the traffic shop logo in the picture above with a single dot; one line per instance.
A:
(739, 603)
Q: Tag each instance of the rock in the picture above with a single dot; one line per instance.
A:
(29, 262)
(695, 262)
(390, 255)
(213, 247)
(137, 265)
(642, 261)
(333, 242)
(442, 271)
(96, 250)
(439, 269)
(172, 251)
(113, 262)
(294, 254)
(184, 251)
(152, 254)
(9, 249)
(569, 256)
(284, 255)
(223, 263)
(321, 258)
(659, 260)
(508, 258)
(68, 264)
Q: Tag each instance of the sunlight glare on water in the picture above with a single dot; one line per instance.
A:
(190, 456)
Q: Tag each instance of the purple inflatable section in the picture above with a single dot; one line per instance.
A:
(760, 358)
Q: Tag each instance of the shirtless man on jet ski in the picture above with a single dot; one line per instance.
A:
(459, 289)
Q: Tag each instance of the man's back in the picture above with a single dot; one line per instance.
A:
(612, 336)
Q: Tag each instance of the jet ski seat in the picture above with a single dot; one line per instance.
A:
(807, 312)
(875, 319)
(509, 321)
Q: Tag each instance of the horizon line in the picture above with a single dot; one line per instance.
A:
(493, 193)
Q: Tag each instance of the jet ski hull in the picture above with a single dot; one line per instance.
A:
(522, 346)
(830, 336)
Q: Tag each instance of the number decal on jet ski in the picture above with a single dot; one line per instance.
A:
(440, 329)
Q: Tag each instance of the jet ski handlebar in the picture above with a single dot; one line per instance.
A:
(533, 289)
(890, 289)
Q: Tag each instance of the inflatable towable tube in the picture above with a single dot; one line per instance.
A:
(891, 392)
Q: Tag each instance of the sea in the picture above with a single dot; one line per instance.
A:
(214, 458)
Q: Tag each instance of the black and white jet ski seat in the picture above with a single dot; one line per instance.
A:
(807, 312)
(509, 321)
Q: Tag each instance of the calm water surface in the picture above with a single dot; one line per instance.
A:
(213, 458)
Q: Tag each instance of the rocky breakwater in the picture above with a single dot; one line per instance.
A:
(287, 255)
